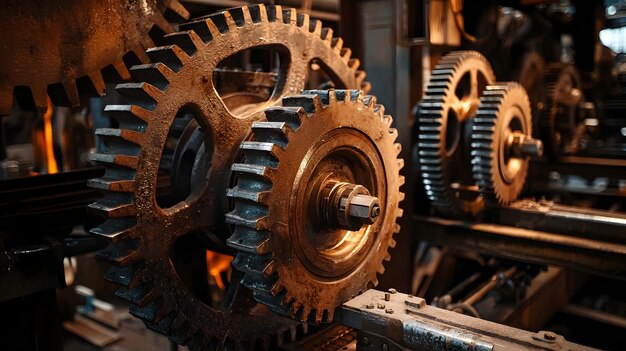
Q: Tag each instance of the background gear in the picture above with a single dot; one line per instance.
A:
(296, 259)
(178, 83)
(560, 118)
(57, 47)
(503, 118)
(445, 115)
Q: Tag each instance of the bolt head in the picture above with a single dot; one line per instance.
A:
(364, 208)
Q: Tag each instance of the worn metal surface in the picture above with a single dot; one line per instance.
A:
(47, 46)
(446, 113)
(296, 260)
(181, 77)
(499, 154)
(409, 324)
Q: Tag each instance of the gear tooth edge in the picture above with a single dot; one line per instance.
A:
(249, 240)
(145, 93)
(131, 117)
(253, 170)
(346, 54)
(292, 115)
(254, 264)
(310, 103)
(258, 13)
(272, 132)
(177, 7)
(260, 197)
(140, 296)
(315, 27)
(400, 212)
(120, 253)
(327, 35)
(97, 81)
(140, 51)
(370, 101)
(365, 86)
(121, 136)
(188, 41)
(116, 229)
(262, 285)
(127, 161)
(246, 219)
(354, 63)
(120, 67)
(337, 44)
(162, 23)
(303, 21)
(122, 276)
(171, 55)
(152, 312)
(112, 184)
(290, 16)
(204, 27)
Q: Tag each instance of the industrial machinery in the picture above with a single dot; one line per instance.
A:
(250, 187)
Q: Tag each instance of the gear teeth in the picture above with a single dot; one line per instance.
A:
(290, 16)
(354, 63)
(261, 265)
(248, 240)
(293, 116)
(205, 28)
(152, 311)
(131, 117)
(268, 287)
(144, 93)
(258, 13)
(315, 27)
(122, 276)
(303, 20)
(327, 35)
(369, 101)
(40, 97)
(274, 13)
(176, 7)
(157, 74)
(254, 217)
(97, 81)
(120, 254)
(112, 184)
(254, 170)
(113, 209)
(238, 192)
(117, 229)
(310, 103)
(188, 41)
(116, 160)
(172, 56)
(141, 296)
(346, 54)
(163, 326)
(265, 152)
(274, 132)
(120, 67)
(140, 52)
(337, 44)
(122, 136)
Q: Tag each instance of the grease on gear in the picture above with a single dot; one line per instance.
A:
(180, 81)
(316, 202)
(444, 122)
(502, 142)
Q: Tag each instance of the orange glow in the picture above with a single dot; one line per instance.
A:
(216, 264)
(51, 162)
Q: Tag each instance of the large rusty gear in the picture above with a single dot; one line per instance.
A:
(560, 118)
(56, 47)
(316, 202)
(444, 121)
(502, 142)
(179, 81)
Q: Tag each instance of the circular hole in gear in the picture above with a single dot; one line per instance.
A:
(185, 160)
(248, 79)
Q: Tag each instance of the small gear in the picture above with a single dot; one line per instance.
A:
(444, 118)
(560, 118)
(144, 230)
(502, 142)
(316, 201)
(60, 48)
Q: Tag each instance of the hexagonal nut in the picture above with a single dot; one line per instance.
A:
(365, 208)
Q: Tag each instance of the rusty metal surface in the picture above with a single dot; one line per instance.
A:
(47, 46)
(446, 113)
(404, 322)
(181, 76)
(296, 259)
